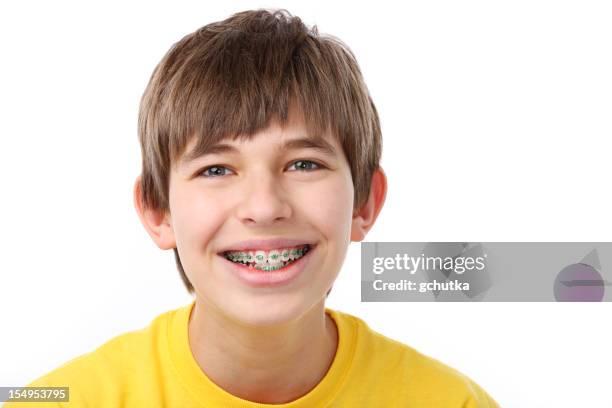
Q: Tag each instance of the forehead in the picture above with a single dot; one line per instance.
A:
(282, 138)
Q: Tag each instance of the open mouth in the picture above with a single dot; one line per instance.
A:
(268, 261)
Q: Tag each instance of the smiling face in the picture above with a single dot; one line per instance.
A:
(278, 185)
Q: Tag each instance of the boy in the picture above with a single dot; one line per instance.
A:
(261, 149)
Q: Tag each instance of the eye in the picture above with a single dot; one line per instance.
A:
(306, 165)
(213, 171)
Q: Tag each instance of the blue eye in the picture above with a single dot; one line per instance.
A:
(220, 171)
(305, 165)
(214, 171)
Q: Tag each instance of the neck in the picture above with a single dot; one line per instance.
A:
(272, 365)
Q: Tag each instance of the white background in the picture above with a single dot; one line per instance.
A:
(496, 121)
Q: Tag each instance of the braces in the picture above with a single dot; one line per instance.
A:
(259, 258)
(259, 261)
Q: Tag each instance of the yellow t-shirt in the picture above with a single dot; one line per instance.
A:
(154, 367)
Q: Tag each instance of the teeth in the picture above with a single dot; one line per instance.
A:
(273, 260)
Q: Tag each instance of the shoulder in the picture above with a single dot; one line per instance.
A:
(412, 372)
(102, 373)
(430, 373)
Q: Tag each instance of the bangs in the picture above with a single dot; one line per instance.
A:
(244, 82)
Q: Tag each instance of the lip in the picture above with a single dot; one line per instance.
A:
(258, 279)
(265, 244)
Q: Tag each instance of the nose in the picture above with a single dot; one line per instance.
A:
(265, 202)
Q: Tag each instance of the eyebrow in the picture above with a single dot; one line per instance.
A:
(318, 144)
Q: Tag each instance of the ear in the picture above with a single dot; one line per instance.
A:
(158, 224)
(364, 218)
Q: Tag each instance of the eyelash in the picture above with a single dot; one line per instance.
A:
(320, 166)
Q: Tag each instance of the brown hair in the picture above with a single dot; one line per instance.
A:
(232, 78)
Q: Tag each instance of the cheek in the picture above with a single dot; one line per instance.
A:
(195, 220)
(329, 205)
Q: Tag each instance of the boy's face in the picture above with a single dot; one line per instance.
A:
(262, 191)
